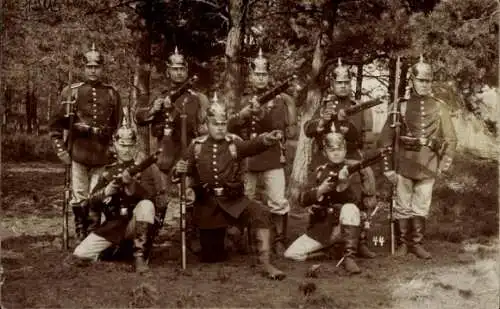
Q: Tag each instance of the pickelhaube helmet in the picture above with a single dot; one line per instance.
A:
(421, 70)
(93, 57)
(260, 64)
(334, 140)
(217, 110)
(177, 60)
(125, 135)
(341, 73)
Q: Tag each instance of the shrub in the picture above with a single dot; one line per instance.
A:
(22, 147)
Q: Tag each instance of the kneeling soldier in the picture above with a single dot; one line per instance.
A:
(215, 163)
(334, 208)
(126, 202)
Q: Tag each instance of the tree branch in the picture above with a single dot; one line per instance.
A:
(108, 9)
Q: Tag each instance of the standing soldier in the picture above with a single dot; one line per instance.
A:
(427, 145)
(165, 119)
(267, 166)
(97, 115)
(214, 161)
(330, 117)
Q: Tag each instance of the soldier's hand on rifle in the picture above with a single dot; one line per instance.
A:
(182, 167)
(392, 177)
(64, 157)
(326, 186)
(341, 115)
(157, 105)
(112, 188)
(327, 113)
(273, 137)
(343, 182)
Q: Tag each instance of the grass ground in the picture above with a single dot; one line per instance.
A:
(463, 273)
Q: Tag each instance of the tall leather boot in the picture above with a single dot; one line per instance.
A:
(264, 247)
(350, 236)
(80, 223)
(280, 224)
(417, 235)
(402, 235)
(141, 243)
(363, 250)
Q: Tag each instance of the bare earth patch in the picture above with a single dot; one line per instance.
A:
(36, 273)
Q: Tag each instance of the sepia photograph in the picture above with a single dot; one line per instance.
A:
(335, 154)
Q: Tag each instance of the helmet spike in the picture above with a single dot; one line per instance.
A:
(421, 58)
(215, 99)
(176, 51)
(339, 62)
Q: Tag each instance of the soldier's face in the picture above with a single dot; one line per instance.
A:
(422, 86)
(93, 72)
(217, 129)
(335, 154)
(125, 153)
(178, 74)
(342, 88)
(260, 80)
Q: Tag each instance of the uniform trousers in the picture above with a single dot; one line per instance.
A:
(92, 246)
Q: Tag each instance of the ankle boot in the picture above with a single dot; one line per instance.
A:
(363, 250)
(264, 247)
(141, 244)
(402, 227)
(280, 224)
(350, 236)
(417, 235)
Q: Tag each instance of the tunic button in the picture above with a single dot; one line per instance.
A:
(95, 117)
(93, 89)
(216, 177)
(215, 169)
(214, 163)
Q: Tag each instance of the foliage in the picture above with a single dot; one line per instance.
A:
(21, 147)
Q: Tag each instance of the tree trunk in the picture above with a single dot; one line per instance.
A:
(234, 45)
(142, 74)
(300, 169)
(298, 177)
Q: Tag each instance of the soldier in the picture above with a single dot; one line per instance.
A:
(97, 110)
(267, 166)
(127, 203)
(330, 117)
(165, 120)
(427, 145)
(214, 161)
(334, 207)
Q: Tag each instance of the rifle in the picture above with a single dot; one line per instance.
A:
(271, 93)
(334, 177)
(175, 94)
(182, 198)
(395, 145)
(67, 172)
(133, 169)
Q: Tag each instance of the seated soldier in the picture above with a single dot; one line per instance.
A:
(334, 212)
(126, 201)
(215, 163)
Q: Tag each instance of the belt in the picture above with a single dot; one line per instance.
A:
(217, 191)
(422, 141)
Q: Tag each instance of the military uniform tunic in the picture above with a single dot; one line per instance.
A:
(97, 107)
(216, 168)
(195, 106)
(324, 219)
(426, 130)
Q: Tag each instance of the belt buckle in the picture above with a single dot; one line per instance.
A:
(253, 135)
(219, 191)
(423, 141)
(123, 211)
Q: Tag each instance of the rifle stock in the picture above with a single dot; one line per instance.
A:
(67, 172)
(395, 146)
(182, 199)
